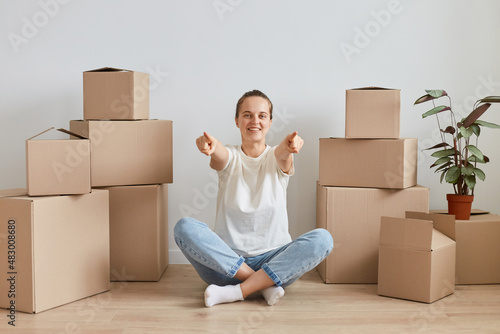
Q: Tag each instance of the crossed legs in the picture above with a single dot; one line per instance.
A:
(232, 279)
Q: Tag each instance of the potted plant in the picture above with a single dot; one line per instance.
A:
(457, 155)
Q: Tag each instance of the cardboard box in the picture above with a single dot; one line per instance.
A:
(372, 112)
(60, 249)
(138, 232)
(371, 163)
(352, 216)
(128, 152)
(111, 93)
(58, 166)
(478, 248)
(416, 257)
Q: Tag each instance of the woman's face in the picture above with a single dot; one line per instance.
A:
(254, 119)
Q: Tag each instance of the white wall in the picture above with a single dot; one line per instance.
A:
(203, 54)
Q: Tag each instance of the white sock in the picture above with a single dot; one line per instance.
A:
(215, 294)
(273, 294)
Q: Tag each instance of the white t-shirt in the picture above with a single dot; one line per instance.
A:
(251, 203)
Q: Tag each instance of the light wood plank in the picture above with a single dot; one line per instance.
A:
(175, 305)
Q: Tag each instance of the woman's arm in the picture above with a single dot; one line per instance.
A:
(210, 146)
(284, 152)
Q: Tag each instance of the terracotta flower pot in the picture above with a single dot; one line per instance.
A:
(460, 205)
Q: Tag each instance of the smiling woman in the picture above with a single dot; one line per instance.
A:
(251, 249)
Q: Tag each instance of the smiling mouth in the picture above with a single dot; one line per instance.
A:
(254, 129)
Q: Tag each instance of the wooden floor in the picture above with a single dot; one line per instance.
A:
(175, 305)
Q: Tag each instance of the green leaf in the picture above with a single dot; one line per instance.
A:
(424, 98)
(475, 159)
(448, 164)
(476, 129)
(467, 170)
(491, 99)
(443, 153)
(479, 173)
(436, 92)
(475, 151)
(435, 110)
(487, 124)
(440, 161)
(453, 174)
(470, 181)
(466, 132)
(442, 176)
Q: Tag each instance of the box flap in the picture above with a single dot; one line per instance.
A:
(72, 133)
(440, 240)
(406, 233)
(108, 69)
(443, 223)
(60, 129)
(41, 133)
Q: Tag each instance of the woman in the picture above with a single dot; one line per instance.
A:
(251, 249)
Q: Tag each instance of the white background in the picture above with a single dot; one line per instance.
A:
(203, 55)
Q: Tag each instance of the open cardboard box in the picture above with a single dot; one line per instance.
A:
(59, 249)
(58, 166)
(371, 163)
(417, 257)
(372, 112)
(112, 93)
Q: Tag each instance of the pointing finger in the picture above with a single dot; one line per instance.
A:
(209, 138)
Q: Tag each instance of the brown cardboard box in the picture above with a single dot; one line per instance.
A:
(128, 152)
(372, 163)
(111, 93)
(372, 112)
(352, 216)
(478, 248)
(138, 232)
(416, 260)
(60, 249)
(57, 166)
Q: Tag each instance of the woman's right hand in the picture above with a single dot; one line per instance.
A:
(206, 144)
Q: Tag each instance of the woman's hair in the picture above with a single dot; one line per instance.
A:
(254, 92)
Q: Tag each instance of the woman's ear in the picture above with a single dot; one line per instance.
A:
(236, 121)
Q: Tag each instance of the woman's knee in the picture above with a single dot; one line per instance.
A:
(323, 239)
(185, 227)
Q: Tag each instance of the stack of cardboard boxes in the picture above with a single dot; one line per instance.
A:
(368, 199)
(366, 194)
(95, 204)
(54, 234)
(132, 159)
(366, 175)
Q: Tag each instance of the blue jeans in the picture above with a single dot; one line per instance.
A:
(217, 263)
